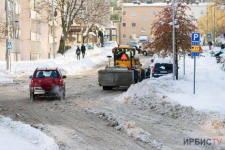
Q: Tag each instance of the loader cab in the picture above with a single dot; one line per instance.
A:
(123, 56)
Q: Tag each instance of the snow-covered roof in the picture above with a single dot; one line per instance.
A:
(161, 4)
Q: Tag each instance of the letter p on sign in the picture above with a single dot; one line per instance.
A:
(195, 37)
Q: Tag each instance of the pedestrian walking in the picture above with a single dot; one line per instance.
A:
(83, 49)
(78, 53)
(210, 45)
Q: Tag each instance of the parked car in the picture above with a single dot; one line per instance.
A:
(135, 45)
(146, 50)
(161, 67)
(47, 82)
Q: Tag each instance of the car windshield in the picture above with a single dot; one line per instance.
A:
(123, 54)
(46, 73)
(133, 43)
(163, 67)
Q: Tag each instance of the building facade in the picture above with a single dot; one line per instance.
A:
(137, 19)
(30, 34)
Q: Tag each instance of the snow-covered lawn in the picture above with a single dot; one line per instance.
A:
(210, 86)
(68, 63)
(19, 136)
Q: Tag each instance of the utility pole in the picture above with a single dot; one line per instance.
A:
(173, 40)
(214, 37)
(53, 28)
(207, 22)
(7, 35)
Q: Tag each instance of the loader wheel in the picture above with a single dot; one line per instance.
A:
(139, 78)
(136, 76)
(107, 88)
(143, 74)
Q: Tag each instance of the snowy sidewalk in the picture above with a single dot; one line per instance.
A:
(20, 136)
(68, 64)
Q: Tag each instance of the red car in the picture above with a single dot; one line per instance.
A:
(47, 82)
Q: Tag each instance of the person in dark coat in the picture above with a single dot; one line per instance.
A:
(210, 45)
(78, 52)
(83, 49)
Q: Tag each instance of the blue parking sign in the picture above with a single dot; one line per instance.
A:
(9, 45)
(209, 35)
(194, 54)
(195, 37)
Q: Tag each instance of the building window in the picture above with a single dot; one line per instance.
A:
(124, 36)
(124, 13)
(133, 13)
(153, 13)
(143, 29)
(133, 25)
(143, 18)
(124, 24)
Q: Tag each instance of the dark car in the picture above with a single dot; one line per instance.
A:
(161, 69)
(47, 82)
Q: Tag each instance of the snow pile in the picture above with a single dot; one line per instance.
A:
(176, 99)
(20, 136)
(121, 124)
(68, 63)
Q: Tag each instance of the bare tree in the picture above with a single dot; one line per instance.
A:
(67, 11)
(2, 26)
(94, 12)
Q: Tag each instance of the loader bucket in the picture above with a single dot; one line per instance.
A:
(115, 77)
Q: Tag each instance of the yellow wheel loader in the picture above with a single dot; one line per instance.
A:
(127, 69)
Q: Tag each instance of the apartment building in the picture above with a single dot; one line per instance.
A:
(37, 37)
(14, 29)
(138, 19)
(30, 33)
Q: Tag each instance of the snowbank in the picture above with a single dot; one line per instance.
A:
(176, 99)
(20, 136)
(129, 127)
(68, 63)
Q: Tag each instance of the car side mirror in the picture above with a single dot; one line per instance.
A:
(30, 77)
(64, 76)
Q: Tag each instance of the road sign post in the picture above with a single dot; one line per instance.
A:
(9, 47)
(194, 73)
(195, 49)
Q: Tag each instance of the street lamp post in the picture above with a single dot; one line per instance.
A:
(53, 28)
(173, 39)
(214, 37)
(7, 35)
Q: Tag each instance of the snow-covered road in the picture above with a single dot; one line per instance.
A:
(146, 116)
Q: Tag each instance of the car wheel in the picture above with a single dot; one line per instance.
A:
(32, 96)
(64, 95)
(145, 53)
